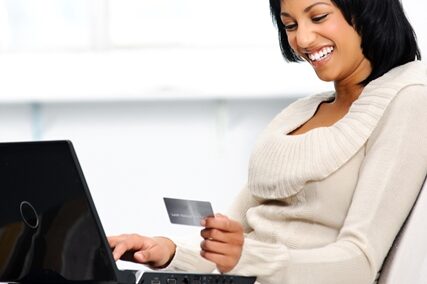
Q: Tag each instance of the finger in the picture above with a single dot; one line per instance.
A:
(221, 236)
(119, 250)
(223, 223)
(142, 257)
(151, 256)
(223, 263)
(219, 248)
(125, 243)
(214, 234)
(114, 240)
(111, 241)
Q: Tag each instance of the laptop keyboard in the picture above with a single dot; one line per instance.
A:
(193, 278)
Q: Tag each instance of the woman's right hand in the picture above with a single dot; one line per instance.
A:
(155, 252)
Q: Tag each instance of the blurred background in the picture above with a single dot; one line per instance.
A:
(159, 97)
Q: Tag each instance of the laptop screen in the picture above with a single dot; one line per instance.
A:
(49, 229)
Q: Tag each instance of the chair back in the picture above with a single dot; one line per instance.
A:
(407, 259)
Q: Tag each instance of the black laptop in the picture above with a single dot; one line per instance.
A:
(50, 231)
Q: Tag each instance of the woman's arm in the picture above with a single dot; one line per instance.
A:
(389, 181)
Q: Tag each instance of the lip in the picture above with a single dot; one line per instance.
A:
(321, 62)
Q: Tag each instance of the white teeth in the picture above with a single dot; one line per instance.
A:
(320, 54)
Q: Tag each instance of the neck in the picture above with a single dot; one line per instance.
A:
(349, 89)
(346, 95)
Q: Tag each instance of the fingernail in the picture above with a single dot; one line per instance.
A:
(203, 222)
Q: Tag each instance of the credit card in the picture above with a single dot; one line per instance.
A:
(187, 212)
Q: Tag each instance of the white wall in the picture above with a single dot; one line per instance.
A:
(15, 122)
(415, 12)
(136, 151)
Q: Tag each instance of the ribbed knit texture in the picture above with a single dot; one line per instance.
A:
(281, 164)
(324, 207)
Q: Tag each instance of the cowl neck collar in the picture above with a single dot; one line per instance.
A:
(281, 164)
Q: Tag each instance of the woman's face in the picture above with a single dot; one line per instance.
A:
(318, 32)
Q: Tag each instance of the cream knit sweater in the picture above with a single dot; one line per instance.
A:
(324, 207)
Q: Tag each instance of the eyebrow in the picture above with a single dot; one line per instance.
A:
(307, 9)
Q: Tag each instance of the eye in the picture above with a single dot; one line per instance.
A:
(290, 26)
(319, 19)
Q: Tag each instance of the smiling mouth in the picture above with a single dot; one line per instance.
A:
(320, 55)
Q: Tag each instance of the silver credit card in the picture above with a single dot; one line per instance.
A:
(187, 212)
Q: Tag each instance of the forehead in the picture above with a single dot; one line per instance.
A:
(302, 5)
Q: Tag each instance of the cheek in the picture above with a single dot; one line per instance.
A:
(292, 41)
(351, 42)
(343, 34)
(335, 29)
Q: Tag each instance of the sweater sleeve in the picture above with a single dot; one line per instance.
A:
(187, 256)
(389, 181)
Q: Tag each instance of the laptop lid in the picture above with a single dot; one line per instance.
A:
(49, 227)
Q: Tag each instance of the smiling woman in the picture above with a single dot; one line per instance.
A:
(379, 24)
(321, 35)
(334, 176)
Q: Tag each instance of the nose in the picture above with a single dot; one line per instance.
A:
(305, 36)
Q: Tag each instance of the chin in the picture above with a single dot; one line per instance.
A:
(325, 77)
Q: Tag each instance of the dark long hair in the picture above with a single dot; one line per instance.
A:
(388, 39)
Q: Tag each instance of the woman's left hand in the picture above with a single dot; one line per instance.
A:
(223, 241)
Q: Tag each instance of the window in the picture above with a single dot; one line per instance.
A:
(84, 24)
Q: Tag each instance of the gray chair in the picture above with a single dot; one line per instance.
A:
(407, 260)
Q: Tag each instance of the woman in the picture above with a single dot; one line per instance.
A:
(333, 176)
